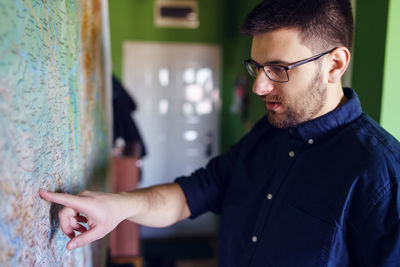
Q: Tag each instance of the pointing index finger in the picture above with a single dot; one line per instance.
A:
(64, 199)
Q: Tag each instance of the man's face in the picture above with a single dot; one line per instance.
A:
(304, 96)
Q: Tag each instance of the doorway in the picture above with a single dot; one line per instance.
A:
(176, 87)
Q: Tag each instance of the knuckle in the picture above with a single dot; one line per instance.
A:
(61, 213)
(64, 215)
(84, 193)
(64, 212)
(65, 229)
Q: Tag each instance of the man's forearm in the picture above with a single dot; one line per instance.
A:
(157, 206)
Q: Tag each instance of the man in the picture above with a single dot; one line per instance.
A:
(314, 183)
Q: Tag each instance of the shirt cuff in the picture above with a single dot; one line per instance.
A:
(194, 195)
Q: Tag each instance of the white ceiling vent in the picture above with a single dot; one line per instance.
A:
(176, 13)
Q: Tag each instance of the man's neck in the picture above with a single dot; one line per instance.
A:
(336, 97)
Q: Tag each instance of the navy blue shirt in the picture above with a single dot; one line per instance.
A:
(324, 193)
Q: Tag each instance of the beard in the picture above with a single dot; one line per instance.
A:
(302, 107)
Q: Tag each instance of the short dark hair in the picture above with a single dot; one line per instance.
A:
(323, 24)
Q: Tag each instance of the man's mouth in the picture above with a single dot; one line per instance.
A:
(273, 105)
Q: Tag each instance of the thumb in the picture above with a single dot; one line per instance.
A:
(86, 238)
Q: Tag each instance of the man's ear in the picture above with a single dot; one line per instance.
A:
(339, 60)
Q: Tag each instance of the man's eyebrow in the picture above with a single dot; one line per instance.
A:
(277, 62)
(274, 62)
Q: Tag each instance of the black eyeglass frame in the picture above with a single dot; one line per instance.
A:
(286, 68)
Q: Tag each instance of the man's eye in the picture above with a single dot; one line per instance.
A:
(276, 68)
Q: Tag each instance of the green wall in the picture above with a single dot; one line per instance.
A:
(376, 61)
(369, 53)
(219, 23)
(134, 20)
(391, 80)
(236, 49)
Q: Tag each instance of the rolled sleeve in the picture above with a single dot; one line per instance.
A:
(197, 203)
(204, 189)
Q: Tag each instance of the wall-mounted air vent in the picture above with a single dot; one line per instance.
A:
(179, 14)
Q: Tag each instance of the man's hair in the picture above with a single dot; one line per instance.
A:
(323, 24)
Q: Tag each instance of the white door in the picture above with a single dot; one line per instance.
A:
(176, 87)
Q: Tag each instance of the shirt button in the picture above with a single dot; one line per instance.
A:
(310, 141)
(254, 239)
(269, 196)
(291, 154)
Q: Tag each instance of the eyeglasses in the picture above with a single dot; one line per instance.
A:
(278, 73)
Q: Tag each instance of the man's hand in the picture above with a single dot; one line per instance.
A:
(157, 206)
(101, 211)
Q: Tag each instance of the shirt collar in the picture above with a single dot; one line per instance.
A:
(334, 119)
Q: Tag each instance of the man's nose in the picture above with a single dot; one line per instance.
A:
(262, 85)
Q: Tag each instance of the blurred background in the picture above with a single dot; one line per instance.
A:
(180, 63)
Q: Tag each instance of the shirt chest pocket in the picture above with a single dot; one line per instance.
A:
(297, 237)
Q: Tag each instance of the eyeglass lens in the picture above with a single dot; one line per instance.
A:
(275, 73)
(252, 68)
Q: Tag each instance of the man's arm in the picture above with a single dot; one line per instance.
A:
(162, 205)
(157, 206)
